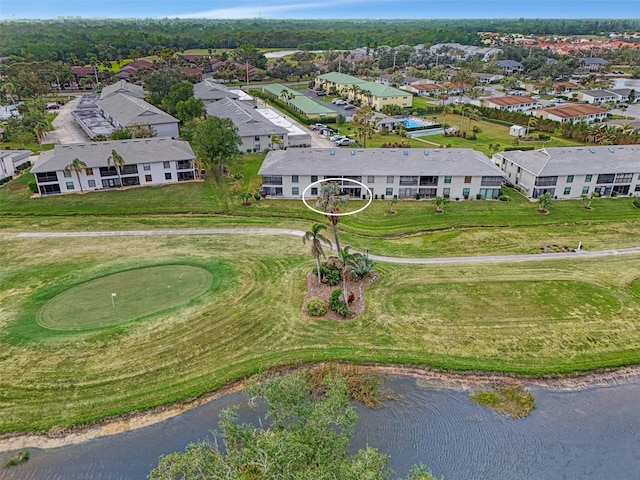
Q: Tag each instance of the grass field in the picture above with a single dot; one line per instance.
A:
(543, 317)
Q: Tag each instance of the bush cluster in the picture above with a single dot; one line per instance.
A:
(5, 180)
(330, 275)
(336, 303)
(315, 307)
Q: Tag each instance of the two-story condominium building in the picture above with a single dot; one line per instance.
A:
(510, 66)
(10, 159)
(210, 92)
(597, 96)
(147, 161)
(571, 113)
(122, 86)
(511, 103)
(569, 172)
(459, 173)
(374, 94)
(125, 111)
(257, 132)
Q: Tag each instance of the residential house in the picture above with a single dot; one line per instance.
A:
(511, 103)
(510, 66)
(210, 92)
(425, 89)
(192, 74)
(571, 113)
(10, 159)
(125, 111)
(593, 64)
(570, 172)
(597, 96)
(299, 102)
(147, 161)
(80, 72)
(256, 131)
(459, 173)
(487, 78)
(626, 95)
(133, 69)
(385, 79)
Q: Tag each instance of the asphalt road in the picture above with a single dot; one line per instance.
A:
(65, 130)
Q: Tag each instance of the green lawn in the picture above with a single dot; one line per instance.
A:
(537, 318)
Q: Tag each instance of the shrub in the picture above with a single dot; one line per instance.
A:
(504, 198)
(315, 307)
(636, 202)
(33, 186)
(330, 275)
(336, 303)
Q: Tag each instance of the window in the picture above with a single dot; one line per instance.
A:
(587, 178)
(408, 180)
(146, 167)
(637, 188)
(67, 173)
(108, 171)
(446, 192)
(606, 178)
(88, 172)
(295, 191)
(272, 179)
(546, 181)
(567, 190)
(47, 177)
(256, 138)
(389, 191)
(92, 184)
(371, 179)
(447, 179)
(166, 164)
(314, 178)
(69, 185)
(294, 178)
(167, 176)
(585, 190)
(491, 181)
(624, 178)
(390, 179)
(129, 169)
(147, 178)
(467, 179)
(314, 190)
(465, 192)
(569, 178)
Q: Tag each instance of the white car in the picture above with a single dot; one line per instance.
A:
(340, 102)
(335, 138)
(345, 142)
(535, 97)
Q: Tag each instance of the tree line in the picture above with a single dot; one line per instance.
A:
(110, 39)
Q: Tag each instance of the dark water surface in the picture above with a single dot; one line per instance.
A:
(593, 433)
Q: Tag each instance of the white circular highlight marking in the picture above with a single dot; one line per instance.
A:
(342, 181)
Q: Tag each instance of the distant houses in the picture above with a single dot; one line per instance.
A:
(374, 94)
(571, 113)
(511, 103)
(10, 160)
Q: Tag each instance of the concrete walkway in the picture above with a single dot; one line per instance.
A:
(379, 258)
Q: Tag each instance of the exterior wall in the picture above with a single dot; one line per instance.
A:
(583, 118)
(6, 167)
(158, 172)
(590, 99)
(390, 187)
(261, 143)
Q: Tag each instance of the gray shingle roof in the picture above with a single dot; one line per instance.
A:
(509, 63)
(209, 91)
(129, 111)
(378, 161)
(577, 160)
(95, 154)
(246, 119)
(122, 86)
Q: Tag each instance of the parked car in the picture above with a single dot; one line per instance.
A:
(348, 106)
(326, 132)
(345, 142)
(319, 126)
(335, 138)
(535, 97)
(558, 100)
(340, 102)
(321, 94)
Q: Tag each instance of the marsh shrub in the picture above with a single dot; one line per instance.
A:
(315, 307)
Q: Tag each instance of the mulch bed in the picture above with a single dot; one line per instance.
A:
(323, 291)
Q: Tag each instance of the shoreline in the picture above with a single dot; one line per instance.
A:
(425, 376)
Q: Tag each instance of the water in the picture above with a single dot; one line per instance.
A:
(412, 124)
(424, 133)
(584, 434)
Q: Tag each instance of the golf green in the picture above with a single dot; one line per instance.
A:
(124, 296)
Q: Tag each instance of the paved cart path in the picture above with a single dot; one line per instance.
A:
(299, 233)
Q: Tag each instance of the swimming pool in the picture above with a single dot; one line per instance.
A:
(412, 124)
(423, 133)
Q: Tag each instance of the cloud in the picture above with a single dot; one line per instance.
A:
(261, 10)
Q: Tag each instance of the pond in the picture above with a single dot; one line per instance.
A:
(593, 432)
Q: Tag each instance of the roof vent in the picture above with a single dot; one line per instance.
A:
(592, 150)
(611, 150)
(426, 152)
(333, 152)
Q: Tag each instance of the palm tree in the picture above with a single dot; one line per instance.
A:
(77, 166)
(474, 114)
(329, 196)
(317, 240)
(533, 122)
(40, 129)
(118, 163)
(347, 261)
(440, 203)
(445, 111)
(9, 90)
(544, 201)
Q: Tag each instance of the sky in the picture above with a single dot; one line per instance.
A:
(320, 9)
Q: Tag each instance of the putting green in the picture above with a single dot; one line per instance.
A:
(138, 293)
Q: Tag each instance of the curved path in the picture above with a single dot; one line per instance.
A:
(300, 233)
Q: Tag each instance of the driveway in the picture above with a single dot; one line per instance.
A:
(65, 129)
